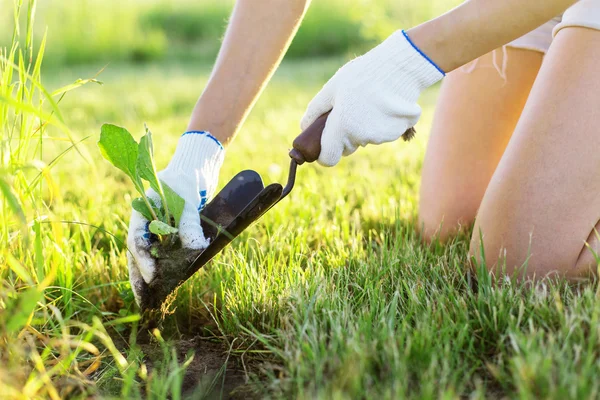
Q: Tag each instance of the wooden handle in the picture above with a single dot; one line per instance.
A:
(307, 146)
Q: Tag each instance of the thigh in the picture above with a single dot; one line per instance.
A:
(475, 116)
(544, 198)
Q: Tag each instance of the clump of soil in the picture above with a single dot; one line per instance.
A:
(172, 261)
(409, 134)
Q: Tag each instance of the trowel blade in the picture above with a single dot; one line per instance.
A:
(253, 211)
(230, 201)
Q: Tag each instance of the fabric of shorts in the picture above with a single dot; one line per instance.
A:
(583, 14)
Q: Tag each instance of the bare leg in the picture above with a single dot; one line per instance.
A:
(543, 201)
(476, 115)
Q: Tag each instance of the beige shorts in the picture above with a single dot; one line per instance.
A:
(584, 13)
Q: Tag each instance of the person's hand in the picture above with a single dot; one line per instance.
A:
(372, 99)
(193, 174)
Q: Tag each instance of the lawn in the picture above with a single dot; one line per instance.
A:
(330, 295)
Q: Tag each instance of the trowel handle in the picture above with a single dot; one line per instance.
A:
(307, 146)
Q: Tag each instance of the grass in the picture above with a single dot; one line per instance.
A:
(330, 295)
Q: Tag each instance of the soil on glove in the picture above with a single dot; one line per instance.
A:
(172, 261)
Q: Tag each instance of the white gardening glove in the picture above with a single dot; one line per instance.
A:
(373, 98)
(193, 174)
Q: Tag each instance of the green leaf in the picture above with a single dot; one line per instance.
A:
(146, 169)
(75, 85)
(21, 308)
(13, 202)
(39, 251)
(120, 148)
(140, 206)
(160, 228)
(174, 201)
(158, 210)
(145, 162)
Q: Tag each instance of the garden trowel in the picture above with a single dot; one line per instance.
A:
(241, 202)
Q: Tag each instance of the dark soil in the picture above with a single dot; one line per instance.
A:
(212, 374)
(217, 371)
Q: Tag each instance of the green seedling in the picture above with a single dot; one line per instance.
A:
(136, 160)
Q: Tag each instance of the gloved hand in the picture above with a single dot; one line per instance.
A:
(372, 99)
(193, 174)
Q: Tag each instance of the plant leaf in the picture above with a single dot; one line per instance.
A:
(20, 309)
(39, 251)
(140, 206)
(160, 228)
(120, 148)
(145, 162)
(75, 85)
(174, 201)
(158, 210)
(12, 201)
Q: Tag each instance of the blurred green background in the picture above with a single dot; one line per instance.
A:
(102, 31)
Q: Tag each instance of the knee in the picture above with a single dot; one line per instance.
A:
(517, 250)
(441, 219)
(481, 250)
(492, 250)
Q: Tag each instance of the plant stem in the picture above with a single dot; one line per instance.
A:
(143, 194)
(165, 204)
